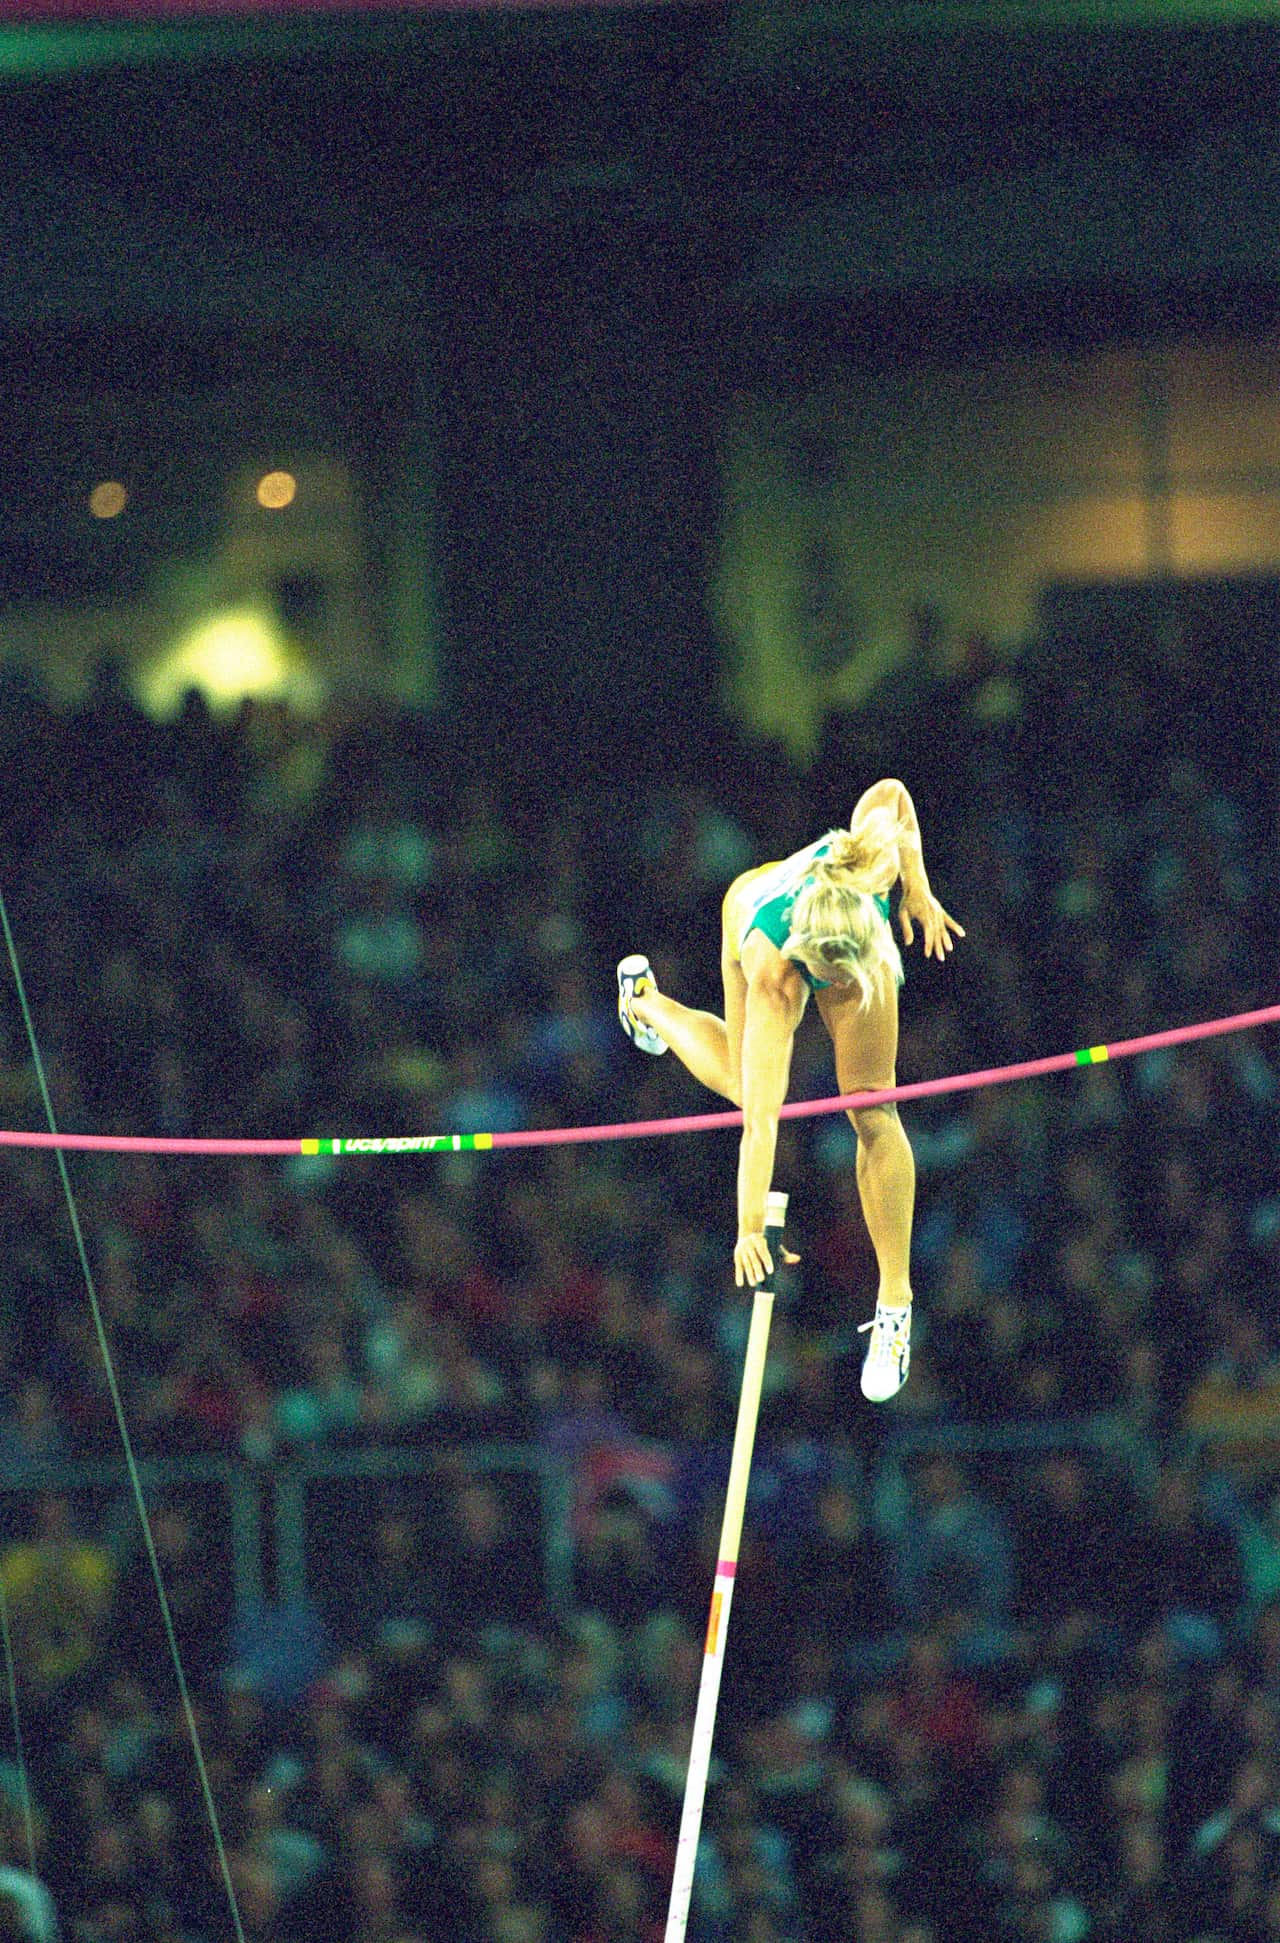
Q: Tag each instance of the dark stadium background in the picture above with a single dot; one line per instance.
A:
(686, 415)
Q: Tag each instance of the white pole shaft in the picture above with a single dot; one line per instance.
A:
(695, 1787)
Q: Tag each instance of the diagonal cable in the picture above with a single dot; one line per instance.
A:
(15, 1714)
(126, 1440)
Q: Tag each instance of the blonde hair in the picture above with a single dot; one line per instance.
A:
(836, 924)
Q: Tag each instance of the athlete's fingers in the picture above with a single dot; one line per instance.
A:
(752, 1261)
(941, 924)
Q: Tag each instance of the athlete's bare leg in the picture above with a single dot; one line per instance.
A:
(711, 1048)
(866, 1046)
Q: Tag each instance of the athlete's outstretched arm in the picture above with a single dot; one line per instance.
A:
(894, 797)
(918, 905)
(775, 1003)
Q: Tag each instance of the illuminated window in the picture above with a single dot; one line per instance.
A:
(276, 490)
(108, 499)
(228, 655)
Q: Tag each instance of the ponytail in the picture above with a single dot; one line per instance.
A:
(867, 854)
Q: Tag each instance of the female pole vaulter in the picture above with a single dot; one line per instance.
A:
(816, 922)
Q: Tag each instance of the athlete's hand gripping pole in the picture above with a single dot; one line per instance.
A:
(695, 1786)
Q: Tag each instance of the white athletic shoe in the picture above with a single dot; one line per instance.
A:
(635, 975)
(888, 1354)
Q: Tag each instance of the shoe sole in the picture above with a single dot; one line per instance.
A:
(883, 1396)
(878, 1394)
(632, 972)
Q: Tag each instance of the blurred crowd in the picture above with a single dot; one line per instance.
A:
(1005, 1659)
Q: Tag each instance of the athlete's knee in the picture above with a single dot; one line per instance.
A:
(871, 1123)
